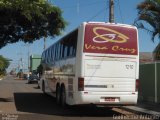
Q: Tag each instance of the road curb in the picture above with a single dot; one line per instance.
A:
(140, 110)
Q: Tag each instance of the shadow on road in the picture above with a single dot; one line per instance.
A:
(6, 100)
(39, 103)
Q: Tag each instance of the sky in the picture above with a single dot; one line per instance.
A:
(75, 12)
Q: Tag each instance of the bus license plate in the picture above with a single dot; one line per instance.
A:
(109, 99)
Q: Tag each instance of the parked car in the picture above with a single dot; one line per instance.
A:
(33, 79)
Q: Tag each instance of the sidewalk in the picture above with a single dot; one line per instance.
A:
(1, 78)
(145, 108)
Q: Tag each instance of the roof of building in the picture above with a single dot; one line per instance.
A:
(36, 56)
(146, 57)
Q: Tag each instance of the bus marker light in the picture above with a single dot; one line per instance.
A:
(80, 84)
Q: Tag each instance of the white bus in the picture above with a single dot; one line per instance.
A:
(97, 63)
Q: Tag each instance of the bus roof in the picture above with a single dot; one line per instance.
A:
(113, 24)
(94, 23)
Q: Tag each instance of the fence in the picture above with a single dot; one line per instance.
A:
(149, 89)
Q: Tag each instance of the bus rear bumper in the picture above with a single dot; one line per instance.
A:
(109, 98)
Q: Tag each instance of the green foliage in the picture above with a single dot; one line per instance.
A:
(40, 69)
(149, 17)
(29, 20)
(4, 63)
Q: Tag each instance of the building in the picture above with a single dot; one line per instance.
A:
(35, 61)
(156, 53)
(146, 57)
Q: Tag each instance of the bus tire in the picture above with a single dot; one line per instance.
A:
(63, 96)
(58, 94)
(43, 87)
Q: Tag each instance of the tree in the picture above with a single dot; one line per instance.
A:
(4, 63)
(40, 69)
(149, 17)
(29, 20)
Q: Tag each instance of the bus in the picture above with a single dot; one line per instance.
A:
(97, 63)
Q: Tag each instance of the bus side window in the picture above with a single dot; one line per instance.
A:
(49, 55)
(68, 51)
(53, 49)
(56, 51)
(74, 51)
(60, 51)
(71, 51)
(68, 46)
(58, 55)
(65, 51)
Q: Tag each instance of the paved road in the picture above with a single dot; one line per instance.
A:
(23, 101)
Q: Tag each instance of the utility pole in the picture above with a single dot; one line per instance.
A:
(111, 11)
(20, 60)
(28, 45)
(28, 58)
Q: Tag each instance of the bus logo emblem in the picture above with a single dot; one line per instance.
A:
(110, 37)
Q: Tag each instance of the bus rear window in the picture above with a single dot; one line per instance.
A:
(110, 39)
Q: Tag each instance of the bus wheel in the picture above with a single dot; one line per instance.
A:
(58, 94)
(43, 87)
(63, 96)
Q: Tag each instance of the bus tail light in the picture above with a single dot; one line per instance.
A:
(137, 84)
(80, 84)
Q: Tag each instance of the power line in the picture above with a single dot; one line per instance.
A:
(78, 7)
(90, 4)
(106, 15)
(82, 5)
(97, 14)
(120, 12)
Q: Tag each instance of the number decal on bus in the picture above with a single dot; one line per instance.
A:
(129, 67)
